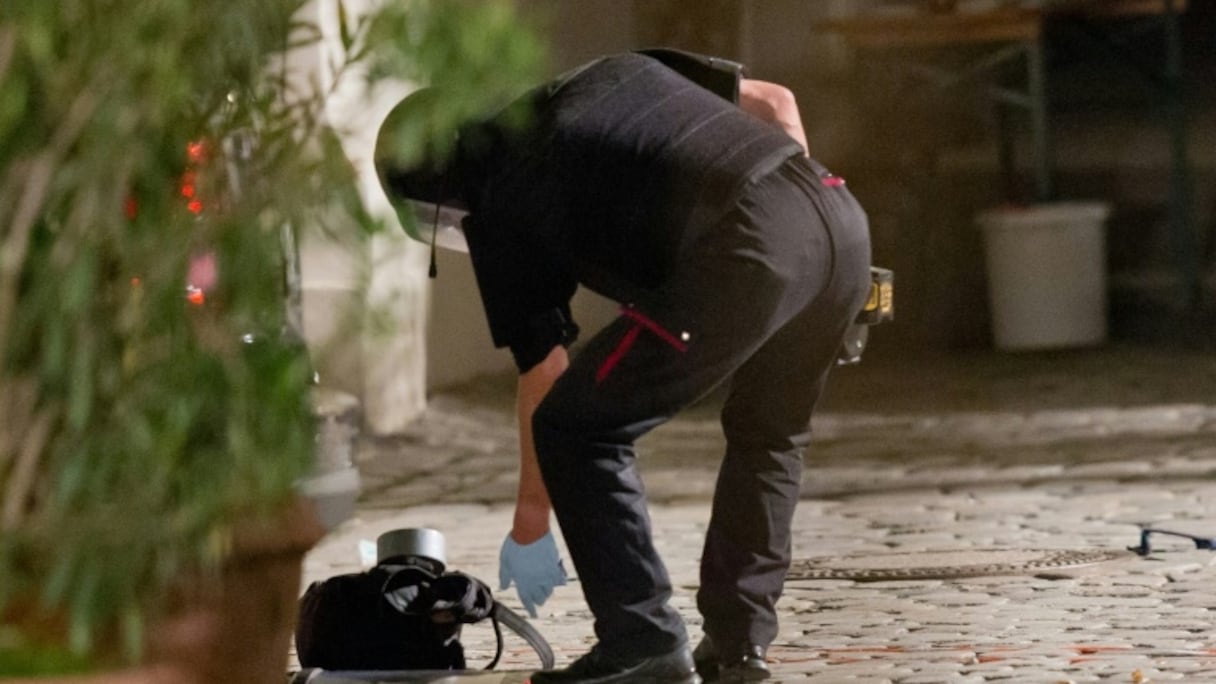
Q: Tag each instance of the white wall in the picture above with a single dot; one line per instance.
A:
(365, 301)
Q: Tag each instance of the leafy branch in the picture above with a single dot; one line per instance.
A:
(136, 429)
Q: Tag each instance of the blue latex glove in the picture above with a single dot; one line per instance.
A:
(535, 569)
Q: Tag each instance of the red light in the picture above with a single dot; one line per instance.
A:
(195, 207)
(196, 151)
(188, 180)
(196, 296)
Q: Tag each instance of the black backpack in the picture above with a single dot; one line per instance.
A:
(400, 617)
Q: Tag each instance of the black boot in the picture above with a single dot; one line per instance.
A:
(596, 667)
(742, 663)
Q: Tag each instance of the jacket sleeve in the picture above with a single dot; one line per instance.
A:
(525, 296)
(720, 76)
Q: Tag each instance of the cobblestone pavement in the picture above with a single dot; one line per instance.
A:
(915, 462)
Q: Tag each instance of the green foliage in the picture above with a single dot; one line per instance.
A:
(19, 657)
(135, 428)
(468, 53)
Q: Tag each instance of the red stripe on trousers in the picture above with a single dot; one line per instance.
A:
(640, 321)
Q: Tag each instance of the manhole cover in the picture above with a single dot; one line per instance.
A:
(946, 564)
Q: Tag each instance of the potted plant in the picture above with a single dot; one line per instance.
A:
(152, 436)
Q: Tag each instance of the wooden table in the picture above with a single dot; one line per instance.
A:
(1011, 34)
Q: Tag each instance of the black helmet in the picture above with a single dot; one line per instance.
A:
(409, 176)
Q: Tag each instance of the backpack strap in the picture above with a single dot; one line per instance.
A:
(518, 624)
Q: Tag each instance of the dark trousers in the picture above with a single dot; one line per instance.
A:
(761, 301)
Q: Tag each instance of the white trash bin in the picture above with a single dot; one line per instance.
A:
(1047, 274)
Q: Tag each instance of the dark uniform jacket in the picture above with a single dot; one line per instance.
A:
(622, 163)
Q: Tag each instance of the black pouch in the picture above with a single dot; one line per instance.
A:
(718, 75)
